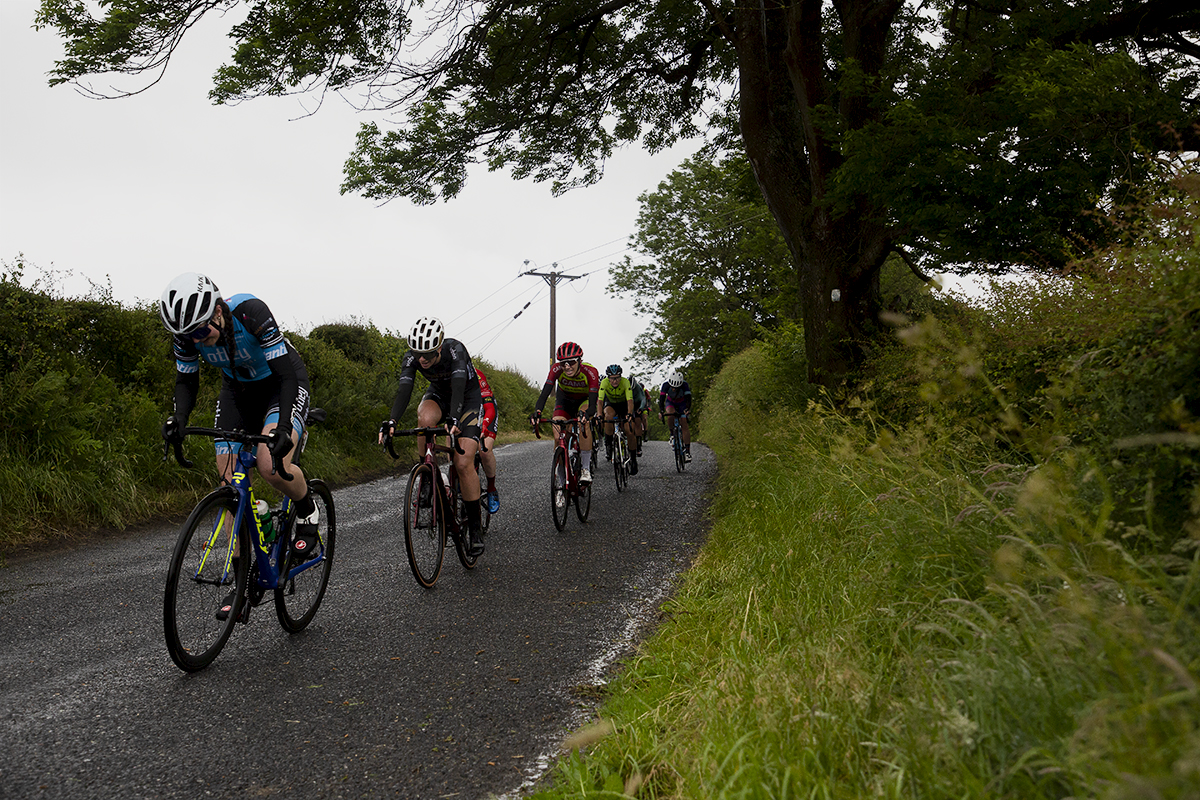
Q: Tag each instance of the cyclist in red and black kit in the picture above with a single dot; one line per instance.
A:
(491, 417)
(577, 383)
(453, 399)
(264, 385)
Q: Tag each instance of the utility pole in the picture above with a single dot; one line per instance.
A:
(552, 277)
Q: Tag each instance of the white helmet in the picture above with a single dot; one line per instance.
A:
(426, 335)
(675, 378)
(188, 302)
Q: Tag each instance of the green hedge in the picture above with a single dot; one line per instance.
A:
(85, 384)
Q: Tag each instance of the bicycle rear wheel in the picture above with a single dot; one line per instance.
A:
(558, 489)
(424, 526)
(485, 516)
(300, 594)
(461, 542)
(583, 497)
(619, 456)
(202, 573)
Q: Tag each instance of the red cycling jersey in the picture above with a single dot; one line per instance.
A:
(489, 404)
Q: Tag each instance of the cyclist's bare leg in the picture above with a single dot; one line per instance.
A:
(429, 415)
(464, 464)
(297, 487)
(488, 458)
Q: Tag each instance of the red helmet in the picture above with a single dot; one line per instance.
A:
(567, 351)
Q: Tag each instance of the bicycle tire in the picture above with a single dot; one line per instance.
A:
(299, 596)
(583, 497)
(677, 445)
(485, 516)
(424, 527)
(461, 540)
(559, 489)
(200, 575)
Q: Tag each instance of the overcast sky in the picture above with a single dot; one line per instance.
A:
(137, 190)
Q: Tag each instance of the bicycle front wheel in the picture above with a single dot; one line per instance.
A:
(558, 489)
(424, 526)
(209, 564)
(300, 593)
(677, 444)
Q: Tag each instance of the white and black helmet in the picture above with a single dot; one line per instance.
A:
(675, 378)
(426, 335)
(188, 302)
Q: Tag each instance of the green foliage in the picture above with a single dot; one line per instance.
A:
(85, 384)
(717, 274)
(977, 577)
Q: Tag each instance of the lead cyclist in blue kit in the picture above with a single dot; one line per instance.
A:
(264, 384)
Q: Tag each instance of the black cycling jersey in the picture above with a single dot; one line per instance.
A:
(262, 360)
(452, 377)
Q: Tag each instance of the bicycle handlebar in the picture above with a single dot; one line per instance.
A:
(431, 432)
(241, 437)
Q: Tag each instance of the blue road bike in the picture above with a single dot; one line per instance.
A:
(225, 548)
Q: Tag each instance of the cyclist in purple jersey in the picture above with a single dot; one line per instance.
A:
(675, 397)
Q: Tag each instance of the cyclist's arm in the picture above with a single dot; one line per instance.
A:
(408, 374)
(462, 370)
(593, 376)
(187, 379)
(551, 379)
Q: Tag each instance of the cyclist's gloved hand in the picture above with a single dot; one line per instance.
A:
(172, 430)
(386, 429)
(280, 442)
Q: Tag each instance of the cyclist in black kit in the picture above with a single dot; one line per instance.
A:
(453, 399)
(264, 384)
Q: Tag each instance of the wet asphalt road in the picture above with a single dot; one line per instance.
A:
(393, 691)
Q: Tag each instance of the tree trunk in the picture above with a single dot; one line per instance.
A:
(782, 66)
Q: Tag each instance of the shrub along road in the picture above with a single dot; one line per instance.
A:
(392, 691)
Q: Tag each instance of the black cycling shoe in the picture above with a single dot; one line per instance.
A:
(305, 543)
(475, 546)
(633, 465)
(226, 606)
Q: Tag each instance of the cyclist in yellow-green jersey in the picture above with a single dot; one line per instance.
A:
(616, 398)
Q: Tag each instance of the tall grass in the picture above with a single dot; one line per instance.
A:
(976, 577)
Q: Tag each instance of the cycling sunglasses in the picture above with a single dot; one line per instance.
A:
(571, 362)
(201, 333)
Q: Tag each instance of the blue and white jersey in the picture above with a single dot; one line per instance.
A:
(256, 337)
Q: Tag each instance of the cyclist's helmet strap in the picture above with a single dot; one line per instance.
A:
(188, 302)
(613, 369)
(567, 351)
(427, 335)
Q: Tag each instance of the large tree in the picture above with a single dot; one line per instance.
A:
(966, 131)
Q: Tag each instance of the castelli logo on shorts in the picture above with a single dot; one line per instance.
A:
(301, 544)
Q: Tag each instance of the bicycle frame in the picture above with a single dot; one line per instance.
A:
(446, 490)
(566, 439)
(269, 557)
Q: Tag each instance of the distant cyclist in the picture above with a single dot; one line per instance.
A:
(577, 383)
(491, 418)
(641, 410)
(264, 385)
(616, 398)
(675, 398)
(453, 399)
